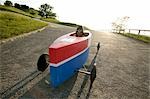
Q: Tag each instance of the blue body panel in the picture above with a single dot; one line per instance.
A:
(63, 72)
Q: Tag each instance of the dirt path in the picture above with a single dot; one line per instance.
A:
(122, 67)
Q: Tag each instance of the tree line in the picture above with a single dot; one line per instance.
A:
(45, 10)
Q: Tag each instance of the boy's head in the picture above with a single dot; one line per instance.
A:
(79, 31)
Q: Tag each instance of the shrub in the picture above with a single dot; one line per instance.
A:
(8, 3)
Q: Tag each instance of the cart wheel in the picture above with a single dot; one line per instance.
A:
(93, 74)
(43, 62)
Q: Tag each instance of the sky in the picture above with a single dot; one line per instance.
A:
(97, 14)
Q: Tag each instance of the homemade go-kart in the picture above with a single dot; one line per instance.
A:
(67, 55)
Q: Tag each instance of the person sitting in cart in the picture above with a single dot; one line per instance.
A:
(79, 32)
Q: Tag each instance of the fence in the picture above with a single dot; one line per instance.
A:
(138, 31)
(133, 31)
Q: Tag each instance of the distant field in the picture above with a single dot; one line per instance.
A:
(58, 22)
(62, 23)
(50, 20)
(143, 38)
(12, 24)
(68, 24)
(13, 9)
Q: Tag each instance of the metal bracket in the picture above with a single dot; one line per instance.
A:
(85, 72)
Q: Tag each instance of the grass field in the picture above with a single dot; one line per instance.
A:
(143, 38)
(50, 20)
(58, 22)
(12, 24)
(62, 23)
(13, 9)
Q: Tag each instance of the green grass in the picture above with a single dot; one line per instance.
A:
(13, 9)
(50, 20)
(58, 22)
(53, 20)
(12, 24)
(68, 24)
(143, 38)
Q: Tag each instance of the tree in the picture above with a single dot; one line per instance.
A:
(46, 11)
(120, 24)
(24, 8)
(16, 5)
(8, 3)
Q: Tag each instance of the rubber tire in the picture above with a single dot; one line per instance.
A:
(43, 62)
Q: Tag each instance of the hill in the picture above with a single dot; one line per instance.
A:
(13, 24)
(15, 10)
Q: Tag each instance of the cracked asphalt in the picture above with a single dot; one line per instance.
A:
(122, 66)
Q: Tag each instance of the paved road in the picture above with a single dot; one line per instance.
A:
(122, 66)
(19, 57)
(123, 70)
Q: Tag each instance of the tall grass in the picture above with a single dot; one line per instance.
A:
(12, 24)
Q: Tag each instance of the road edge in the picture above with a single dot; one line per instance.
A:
(22, 35)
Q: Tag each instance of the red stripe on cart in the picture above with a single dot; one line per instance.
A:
(62, 53)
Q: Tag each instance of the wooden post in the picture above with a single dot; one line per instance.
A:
(123, 30)
(119, 30)
(129, 30)
(139, 32)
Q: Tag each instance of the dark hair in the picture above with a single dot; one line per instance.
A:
(79, 27)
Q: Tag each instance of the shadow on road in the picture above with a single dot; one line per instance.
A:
(86, 77)
(43, 90)
(83, 88)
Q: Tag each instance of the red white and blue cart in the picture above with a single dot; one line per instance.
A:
(67, 54)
